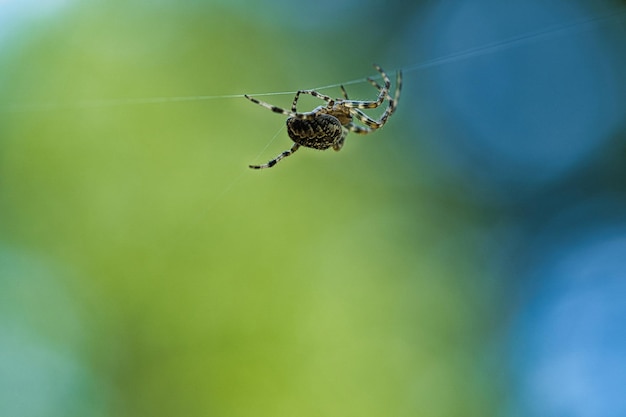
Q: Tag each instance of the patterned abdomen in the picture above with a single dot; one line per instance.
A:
(320, 133)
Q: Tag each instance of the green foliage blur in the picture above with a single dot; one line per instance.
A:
(146, 271)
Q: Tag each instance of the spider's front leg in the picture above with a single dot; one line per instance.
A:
(273, 108)
(313, 93)
(305, 116)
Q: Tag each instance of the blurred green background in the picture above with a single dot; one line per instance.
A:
(146, 271)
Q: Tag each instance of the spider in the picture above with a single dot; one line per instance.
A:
(326, 126)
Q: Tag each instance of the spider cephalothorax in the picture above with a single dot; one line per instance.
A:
(327, 126)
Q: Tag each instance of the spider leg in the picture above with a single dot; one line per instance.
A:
(278, 158)
(313, 93)
(273, 108)
(383, 93)
(391, 107)
(358, 129)
(374, 83)
(372, 123)
(279, 110)
(344, 93)
(378, 87)
(398, 86)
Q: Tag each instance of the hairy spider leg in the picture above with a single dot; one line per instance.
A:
(313, 93)
(372, 123)
(361, 130)
(374, 83)
(278, 158)
(351, 126)
(383, 93)
(305, 116)
(344, 93)
(368, 121)
(398, 86)
(391, 107)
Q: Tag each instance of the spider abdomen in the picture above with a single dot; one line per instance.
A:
(322, 132)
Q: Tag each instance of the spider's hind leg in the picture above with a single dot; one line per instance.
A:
(278, 158)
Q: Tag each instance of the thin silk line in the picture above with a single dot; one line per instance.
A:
(236, 180)
(511, 42)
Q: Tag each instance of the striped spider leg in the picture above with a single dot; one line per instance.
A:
(372, 124)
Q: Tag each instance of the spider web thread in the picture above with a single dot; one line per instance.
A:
(511, 42)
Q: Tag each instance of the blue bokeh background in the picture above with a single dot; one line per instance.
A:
(468, 259)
